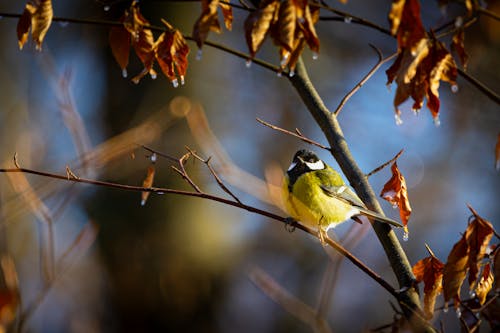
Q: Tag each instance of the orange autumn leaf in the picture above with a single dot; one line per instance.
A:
(457, 45)
(148, 182)
(209, 21)
(258, 24)
(396, 193)
(119, 40)
(142, 39)
(455, 270)
(144, 49)
(484, 284)
(172, 51)
(430, 271)
(37, 15)
(418, 74)
(406, 23)
(478, 235)
(290, 24)
(227, 14)
(9, 292)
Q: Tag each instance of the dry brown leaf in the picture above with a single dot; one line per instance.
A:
(148, 182)
(37, 15)
(227, 14)
(478, 235)
(171, 52)
(430, 271)
(287, 23)
(455, 270)
(209, 21)
(396, 193)
(144, 49)
(485, 284)
(418, 74)
(457, 45)
(395, 15)
(290, 24)
(258, 24)
(406, 23)
(9, 292)
(119, 40)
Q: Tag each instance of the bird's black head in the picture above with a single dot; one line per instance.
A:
(303, 161)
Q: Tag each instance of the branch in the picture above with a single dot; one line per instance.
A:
(331, 128)
(377, 169)
(372, 71)
(297, 134)
(159, 190)
(108, 23)
(481, 87)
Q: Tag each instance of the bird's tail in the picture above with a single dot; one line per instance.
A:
(379, 217)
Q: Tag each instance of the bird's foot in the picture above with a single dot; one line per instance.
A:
(290, 224)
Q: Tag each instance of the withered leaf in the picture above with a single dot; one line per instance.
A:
(457, 45)
(485, 284)
(478, 235)
(144, 49)
(227, 14)
(9, 292)
(172, 51)
(287, 22)
(396, 193)
(418, 74)
(38, 15)
(455, 270)
(258, 23)
(119, 40)
(406, 23)
(148, 182)
(208, 20)
(430, 271)
(290, 23)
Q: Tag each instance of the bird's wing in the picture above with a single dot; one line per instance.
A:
(348, 196)
(343, 193)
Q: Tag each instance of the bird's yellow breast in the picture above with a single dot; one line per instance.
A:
(307, 203)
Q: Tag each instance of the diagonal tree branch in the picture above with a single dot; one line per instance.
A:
(340, 150)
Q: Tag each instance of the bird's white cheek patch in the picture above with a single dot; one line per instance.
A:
(319, 165)
(292, 166)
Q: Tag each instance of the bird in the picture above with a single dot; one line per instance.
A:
(316, 195)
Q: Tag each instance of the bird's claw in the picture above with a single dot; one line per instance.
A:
(290, 223)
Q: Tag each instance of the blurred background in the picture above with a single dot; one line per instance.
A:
(182, 264)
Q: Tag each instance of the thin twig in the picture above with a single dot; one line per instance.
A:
(182, 171)
(352, 19)
(480, 86)
(214, 174)
(151, 150)
(377, 169)
(297, 134)
(108, 23)
(159, 190)
(488, 13)
(372, 71)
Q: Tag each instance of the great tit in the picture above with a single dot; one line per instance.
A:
(316, 195)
